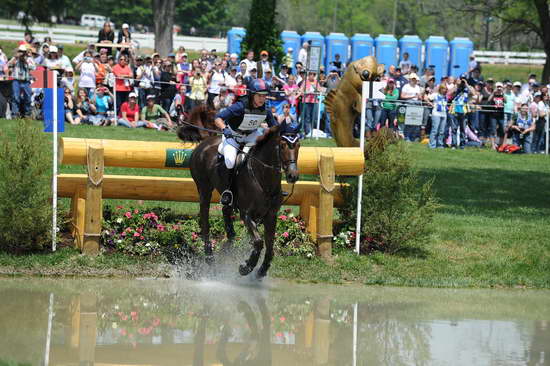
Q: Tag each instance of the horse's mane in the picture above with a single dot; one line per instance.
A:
(201, 116)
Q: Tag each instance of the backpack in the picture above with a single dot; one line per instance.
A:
(509, 149)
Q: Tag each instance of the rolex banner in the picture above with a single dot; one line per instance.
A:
(178, 158)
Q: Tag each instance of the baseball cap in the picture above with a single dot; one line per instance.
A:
(150, 96)
(171, 55)
(391, 80)
(517, 83)
(499, 84)
(233, 55)
(332, 69)
(22, 48)
(290, 49)
(537, 94)
(60, 47)
(264, 52)
(184, 54)
(253, 69)
(53, 49)
(155, 54)
(490, 80)
(132, 95)
(125, 25)
(413, 76)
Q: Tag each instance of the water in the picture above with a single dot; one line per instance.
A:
(169, 322)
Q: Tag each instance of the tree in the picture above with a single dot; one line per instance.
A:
(208, 17)
(34, 10)
(163, 19)
(263, 31)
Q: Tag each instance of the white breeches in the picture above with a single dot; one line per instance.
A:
(229, 147)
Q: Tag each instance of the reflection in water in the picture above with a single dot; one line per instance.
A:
(157, 322)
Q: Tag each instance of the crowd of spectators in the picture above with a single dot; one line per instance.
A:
(116, 86)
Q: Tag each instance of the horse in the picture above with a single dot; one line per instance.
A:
(199, 126)
(256, 186)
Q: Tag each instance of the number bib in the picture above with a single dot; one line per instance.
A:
(251, 121)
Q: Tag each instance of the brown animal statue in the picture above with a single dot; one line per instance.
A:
(344, 102)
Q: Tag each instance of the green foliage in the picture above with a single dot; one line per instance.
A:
(291, 238)
(263, 32)
(25, 177)
(397, 207)
(208, 17)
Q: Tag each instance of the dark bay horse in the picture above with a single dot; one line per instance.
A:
(256, 189)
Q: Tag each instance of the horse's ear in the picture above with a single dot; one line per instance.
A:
(275, 129)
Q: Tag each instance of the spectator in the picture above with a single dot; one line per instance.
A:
(154, 115)
(102, 100)
(223, 100)
(338, 64)
(233, 61)
(129, 113)
(405, 64)
(497, 126)
(198, 88)
(302, 55)
(145, 77)
(80, 56)
(475, 77)
(28, 39)
(263, 65)
(64, 61)
(3, 62)
(37, 58)
(268, 78)
(21, 68)
(67, 81)
(509, 103)
(252, 75)
(216, 79)
(45, 50)
(103, 68)
(124, 35)
(179, 104)
(541, 112)
(183, 68)
(287, 117)
(240, 88)
(231, 79)
(473, 64)
(84, 106)
(400, 80)
(250, 63)
(106, 35)
(242, 69)
(288, 59)
(438, 100)
(521, 128)
(180, 53)
(388, 113)
(310, 101)
(70, 108)
(283, 74)
(88, 70)
(459, 110)
(411, 93)
(48, 40)
(53, 62)
(167, 86)
(123, 82)
(486, 113)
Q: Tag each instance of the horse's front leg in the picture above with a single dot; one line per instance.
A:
(229, 229)
(205, 196)
(257, 244)
(270, 223)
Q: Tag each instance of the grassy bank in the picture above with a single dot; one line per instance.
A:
(491, 231)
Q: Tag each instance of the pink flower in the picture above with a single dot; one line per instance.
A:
(119, 207)
(160, 227)
(194, 236)
(285, 234)
(282, 319)
(279, 335)
(136, 211)
(128, 214)
(283, 217)
(128, 229)
(124, 317)
(136, 234)
(123, 332)
(123, 233)
(156, 322)
(144, 331)
(142, 237)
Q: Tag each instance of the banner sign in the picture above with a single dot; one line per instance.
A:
(178, 158)
(48, 110)
(314, 59)
(414, 115)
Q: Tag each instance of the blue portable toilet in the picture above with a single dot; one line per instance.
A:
(316, 40)
(362, 45)
(234, 38)
(413, 46)
(337, 43)
(461, 50)
(437, 56)
(386, 50)
(293, 40)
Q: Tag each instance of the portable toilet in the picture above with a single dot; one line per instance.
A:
(291, 39)
(461, 50)
(234, 38)
(386, 50)
(316, 40)
(413, 46)
(437, 56)
(362, 45)
(337, 43)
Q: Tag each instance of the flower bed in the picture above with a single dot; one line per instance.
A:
(161, 231)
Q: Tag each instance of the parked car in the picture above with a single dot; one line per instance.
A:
(93, 20)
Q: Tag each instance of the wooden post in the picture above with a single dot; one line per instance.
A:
(88, 329)
(78, 208)
(326, 206)
(92, 227)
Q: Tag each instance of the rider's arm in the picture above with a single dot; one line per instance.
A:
(234, 110)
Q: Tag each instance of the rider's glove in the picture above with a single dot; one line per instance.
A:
(227, 133)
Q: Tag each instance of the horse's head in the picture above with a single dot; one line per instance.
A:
(289, 146)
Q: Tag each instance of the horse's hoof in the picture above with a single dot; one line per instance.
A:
(210, 260)
(260, 275)
(244, 269)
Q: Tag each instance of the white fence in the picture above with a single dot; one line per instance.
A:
(503, 57)
(84, 35)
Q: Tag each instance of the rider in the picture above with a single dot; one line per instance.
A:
(241, 124)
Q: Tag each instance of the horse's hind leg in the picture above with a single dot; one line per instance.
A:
(257, 243)
(229, 229)
(205, 196)
(270, 223)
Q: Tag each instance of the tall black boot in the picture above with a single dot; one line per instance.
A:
(226, 176)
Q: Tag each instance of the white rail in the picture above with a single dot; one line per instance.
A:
(505, 57)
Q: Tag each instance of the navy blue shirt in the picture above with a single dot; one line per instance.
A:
(234, 114)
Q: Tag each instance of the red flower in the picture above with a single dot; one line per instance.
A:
(128, 214)
(160, 227)
(136, 234)
(283, 217)
(285, 234)
(119, 207)
(136, 211)
(142, 237)
(282, 319)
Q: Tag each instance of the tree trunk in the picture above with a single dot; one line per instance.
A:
(163, 18)
(544, 20)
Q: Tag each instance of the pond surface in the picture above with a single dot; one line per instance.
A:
(178, 322)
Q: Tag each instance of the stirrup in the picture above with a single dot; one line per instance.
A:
(284, 194)
(227, 198)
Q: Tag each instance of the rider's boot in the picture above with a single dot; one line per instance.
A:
(227, 180)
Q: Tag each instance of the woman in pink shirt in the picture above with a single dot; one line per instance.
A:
(123, 84)
(310, 100)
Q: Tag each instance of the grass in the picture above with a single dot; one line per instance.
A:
(511, 72)
(491, 231)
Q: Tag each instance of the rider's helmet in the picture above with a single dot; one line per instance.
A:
(258, 86)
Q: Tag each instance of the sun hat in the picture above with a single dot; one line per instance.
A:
(264, 52)
(150, 96)
(132, 95)
(125, 25)
(53, 49)
(413, 76)
(499, 84)
(517, 83)
(22, 48)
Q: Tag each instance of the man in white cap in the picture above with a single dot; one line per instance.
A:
(53, 61)
(288, 60)
(302, 55)
(21, 68)
(413, 93)
(124, 35)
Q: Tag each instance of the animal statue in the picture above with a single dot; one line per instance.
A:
(344, 102)
(257, 193)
